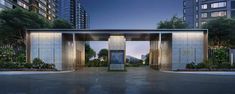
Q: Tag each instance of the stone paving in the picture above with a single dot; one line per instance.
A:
(140, 80)
(205, 72)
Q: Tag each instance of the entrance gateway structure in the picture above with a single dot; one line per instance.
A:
(170, 49)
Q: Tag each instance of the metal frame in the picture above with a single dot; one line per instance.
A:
(145, 32)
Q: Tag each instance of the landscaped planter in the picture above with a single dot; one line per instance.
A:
(26, 69)
(233, 69)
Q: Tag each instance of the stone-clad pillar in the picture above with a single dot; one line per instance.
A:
(161, 52)
(154, 54)
(117, 50)
(28, 44)
(159, 49)
(155, 51)
(74, 49)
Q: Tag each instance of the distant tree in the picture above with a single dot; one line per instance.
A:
(89, 53)
(127, 60)
(103, 54)
(61, 24)
(147, 60)
(221, 32)
(14, 22)
(174, 23)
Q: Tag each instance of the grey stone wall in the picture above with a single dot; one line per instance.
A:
(187, 47)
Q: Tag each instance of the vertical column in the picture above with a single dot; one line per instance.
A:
(74, 51)
(68, 54)
(206, 45)
(231, 59)
(117, 50)
(231, 53)
(154, 51)
(80, 53)
(165, 52)
(28, 48)
(159, 49)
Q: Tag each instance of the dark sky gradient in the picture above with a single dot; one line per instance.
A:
(130, 14)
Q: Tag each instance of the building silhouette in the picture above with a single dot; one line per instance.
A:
(198, 12)
(73, 12)
(45, 8)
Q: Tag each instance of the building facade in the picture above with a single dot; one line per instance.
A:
(169, 49)
(73, 12)
(198, 12)
(45, 8)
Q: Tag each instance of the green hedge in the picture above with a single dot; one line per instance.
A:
(96, 63)
(36, 64)
(209, 65)
(134, 64)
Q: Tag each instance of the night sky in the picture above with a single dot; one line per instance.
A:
(130, 14)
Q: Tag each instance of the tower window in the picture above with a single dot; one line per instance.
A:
(204, 6)
(218, 5)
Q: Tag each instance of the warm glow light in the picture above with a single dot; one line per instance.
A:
(47, 46)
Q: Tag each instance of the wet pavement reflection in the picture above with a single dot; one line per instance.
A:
(137, 80)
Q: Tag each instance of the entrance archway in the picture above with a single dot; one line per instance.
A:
(169, 49)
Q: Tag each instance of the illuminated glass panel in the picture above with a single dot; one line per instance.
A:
(218, 5)
(22, 4)
(204, 6)
(48, 47)
(218, 14)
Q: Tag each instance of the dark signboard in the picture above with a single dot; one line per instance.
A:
(117, 56)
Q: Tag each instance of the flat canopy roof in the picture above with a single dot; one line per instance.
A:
(130, 34)
(116, 30)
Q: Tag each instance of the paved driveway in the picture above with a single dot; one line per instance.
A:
(135, 81)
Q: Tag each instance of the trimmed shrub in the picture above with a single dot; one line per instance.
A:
(20, 65)
(201, 66)
(208, 64)
(96, 63)
(9, 65)
(28, 65)
(48, 66)
(224, 65)
(191, 65)
(103, 63)
(37, 63)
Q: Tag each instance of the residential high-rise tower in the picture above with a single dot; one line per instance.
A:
(198, 12)
(73, 12)
(45, 8)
